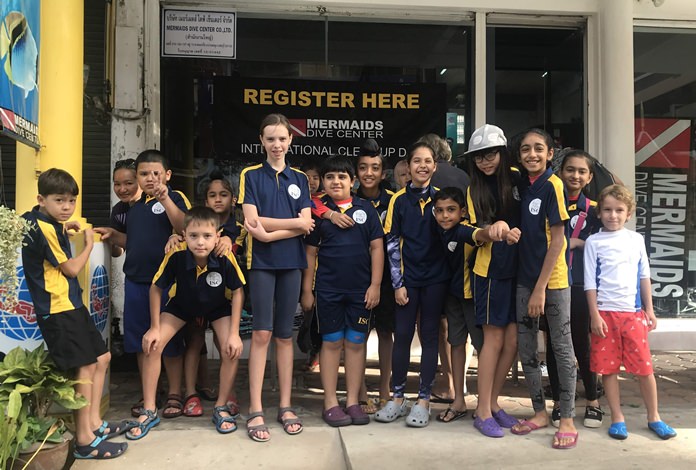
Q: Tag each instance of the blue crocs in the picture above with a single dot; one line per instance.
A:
(662, 430)
(618, 431)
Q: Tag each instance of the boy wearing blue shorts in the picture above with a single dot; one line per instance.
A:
(73, 341)
(156, 216)
(350, 263)
(206, 286)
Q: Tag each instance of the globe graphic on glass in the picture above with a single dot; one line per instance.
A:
(21, 324)
(99, 297)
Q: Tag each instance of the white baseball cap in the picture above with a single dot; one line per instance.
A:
(485, 137)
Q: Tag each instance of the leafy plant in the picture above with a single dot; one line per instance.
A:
(30, 382)
(13, 228)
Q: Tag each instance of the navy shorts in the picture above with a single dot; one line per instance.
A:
(494, 300)
(337, 311)
(136, 320)
(72, 338)
(461, 322)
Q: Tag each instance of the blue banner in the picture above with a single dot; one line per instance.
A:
(19, 69)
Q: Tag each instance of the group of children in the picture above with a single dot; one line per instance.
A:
(494, 258)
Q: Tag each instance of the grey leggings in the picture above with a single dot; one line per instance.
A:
(557, 312)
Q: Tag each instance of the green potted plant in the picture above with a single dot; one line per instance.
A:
(30, 383)
(13, 228)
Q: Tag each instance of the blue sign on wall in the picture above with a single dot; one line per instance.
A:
(19, 69)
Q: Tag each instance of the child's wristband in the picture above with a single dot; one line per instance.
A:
(331, 215)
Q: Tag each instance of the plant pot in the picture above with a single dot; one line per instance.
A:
(52, 457)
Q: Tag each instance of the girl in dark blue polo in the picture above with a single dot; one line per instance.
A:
(277, 197)
(420, 277)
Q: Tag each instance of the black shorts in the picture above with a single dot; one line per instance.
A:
(382, 318)
(461, 322)
(195, 317)
(72, 338)
(337, 311)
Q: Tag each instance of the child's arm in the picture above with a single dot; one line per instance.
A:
(259, 232)
(234, 345)
(377, 256)
(115, 237)
(646, 299)
(300, 225)
(338, 219)
(73, 266)
(174, 213)
(535, 307)
(598, 325)
(223, 246)
(307, 297)
(174, 241)
(151, 339)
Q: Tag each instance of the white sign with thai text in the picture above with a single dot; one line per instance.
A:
(199, 33)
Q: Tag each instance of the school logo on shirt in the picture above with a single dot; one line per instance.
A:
(451, 246)
(360, 216)
(534, 206)
(574, 222)
(158, 208)
(294, 191)
(213, 279)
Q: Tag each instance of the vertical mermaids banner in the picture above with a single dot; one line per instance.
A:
(19, 73)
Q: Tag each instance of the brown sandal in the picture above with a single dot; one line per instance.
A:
(287, 422)
(174, 406)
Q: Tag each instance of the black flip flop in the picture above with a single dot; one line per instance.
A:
(435, 398)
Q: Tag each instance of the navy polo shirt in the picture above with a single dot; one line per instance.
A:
(410, 217)
(231, 229)
(381, 202)
(591, 225)
(543, 205)
(46, 247)
(278, 195)
(455, 242)
(118, 216)
(344, 263)
(195, 289)
(497, 260)
(148, 229)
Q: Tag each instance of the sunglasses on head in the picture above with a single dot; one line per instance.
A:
(127, 163)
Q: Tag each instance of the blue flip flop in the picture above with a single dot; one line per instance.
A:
(150, 422)
(662, 430)
(618, 431)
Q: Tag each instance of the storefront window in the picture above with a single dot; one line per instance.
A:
(339, 82)
(537, 80)
(665, 114)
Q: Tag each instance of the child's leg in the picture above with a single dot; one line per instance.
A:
(444, 383)
(228, 368)
(458, 365)
(98, 389)
(287, 291)
(579, 328)
(405, 326)
(329, 362)
(152, 365)
(648, 390)
(83, 425)
(385, 346)
(527, 331)
(507, 356)
(194, 343)
(261, 283)
(487, 367)
(355, 369)
(557, 312)
(611, 389)
(431, 303)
